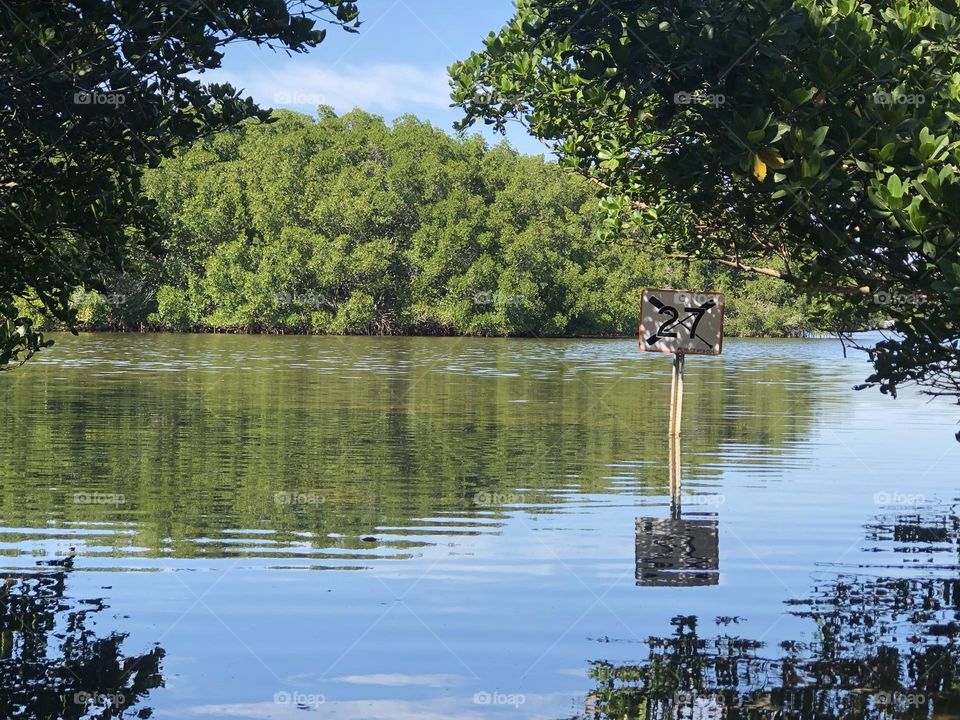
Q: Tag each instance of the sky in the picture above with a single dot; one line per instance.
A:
(396, 64)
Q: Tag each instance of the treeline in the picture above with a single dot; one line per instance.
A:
(344, 224)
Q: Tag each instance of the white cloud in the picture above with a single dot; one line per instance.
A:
(400, 680)
(389, 87)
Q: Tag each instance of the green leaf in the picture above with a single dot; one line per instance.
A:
(894, 186)
(819, 136)
(951, 269)
(801, 95)
(916, 215)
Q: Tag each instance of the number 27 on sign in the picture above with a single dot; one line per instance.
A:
(681, 321)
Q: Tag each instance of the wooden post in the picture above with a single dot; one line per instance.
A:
(676, 408)
(675, 481)
(676, 394)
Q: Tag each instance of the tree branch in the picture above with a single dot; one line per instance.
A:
(786, 277)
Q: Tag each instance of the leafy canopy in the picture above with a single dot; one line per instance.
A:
(820, 132)
(92, 92)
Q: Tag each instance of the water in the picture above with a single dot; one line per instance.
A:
(263, 527)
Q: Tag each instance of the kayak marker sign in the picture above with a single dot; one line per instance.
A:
(684, 323)
(681, 322)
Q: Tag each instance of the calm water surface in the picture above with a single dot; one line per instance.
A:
(292, 527)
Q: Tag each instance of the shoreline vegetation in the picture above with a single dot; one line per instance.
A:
(345, 225)
(797, 335)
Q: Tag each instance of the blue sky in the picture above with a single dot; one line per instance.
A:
(397, 63)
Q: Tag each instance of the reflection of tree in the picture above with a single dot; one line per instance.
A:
(882, 647)
(53, 666)
(421, 430)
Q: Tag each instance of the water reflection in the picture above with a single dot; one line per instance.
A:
(678, 551)
(489, 489)
(297, 448)
(683, 552)
(52, 662)
(883, 646)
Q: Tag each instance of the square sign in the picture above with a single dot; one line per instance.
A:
(681, 321)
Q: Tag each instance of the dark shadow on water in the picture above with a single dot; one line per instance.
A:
(53, 665)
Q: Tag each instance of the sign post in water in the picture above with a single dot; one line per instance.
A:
(681, 322)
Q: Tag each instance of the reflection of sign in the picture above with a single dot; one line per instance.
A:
(678, 552)
(680, 321)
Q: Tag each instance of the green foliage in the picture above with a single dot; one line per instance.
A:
(822, 133)
(173, 309)
(93, 93)
(347, 225)
(92, 308)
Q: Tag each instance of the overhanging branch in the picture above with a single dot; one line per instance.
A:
(786, 277)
